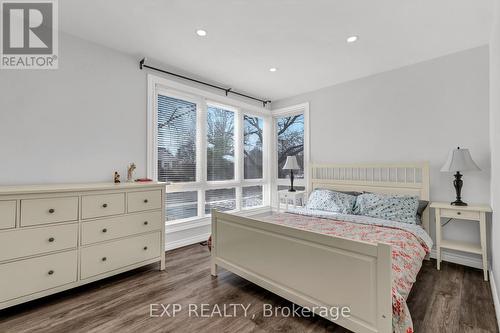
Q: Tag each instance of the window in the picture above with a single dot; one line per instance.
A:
(182, 205)
(220, 144)
(291, 135)
(290, 132)
(252, 196)
(176, 140)
(252, 140)
(220, 199)
(213, 155)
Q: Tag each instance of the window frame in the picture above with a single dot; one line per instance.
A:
(158, 85)
(292, 110)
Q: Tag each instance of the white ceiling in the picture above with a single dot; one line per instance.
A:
(304, 39)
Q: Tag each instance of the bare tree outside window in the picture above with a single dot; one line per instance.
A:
(252, 142)
(290, 132)
(220, 144)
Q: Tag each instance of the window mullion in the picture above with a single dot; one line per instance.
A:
(202, 156)
(239, 174)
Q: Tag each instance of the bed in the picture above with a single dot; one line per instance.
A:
(313, 262)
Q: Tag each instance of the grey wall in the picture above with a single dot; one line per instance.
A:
(415, 113)
(75, 124)
(495, 143)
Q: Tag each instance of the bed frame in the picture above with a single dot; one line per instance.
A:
(315, 270)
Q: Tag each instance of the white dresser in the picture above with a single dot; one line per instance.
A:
(58, 237)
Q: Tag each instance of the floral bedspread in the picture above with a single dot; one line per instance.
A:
(410, 244)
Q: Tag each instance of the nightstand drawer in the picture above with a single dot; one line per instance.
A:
(460, 214)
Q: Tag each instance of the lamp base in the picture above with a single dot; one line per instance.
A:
(458, 183)
(292, 190)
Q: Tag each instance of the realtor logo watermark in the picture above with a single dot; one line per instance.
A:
(29, 36)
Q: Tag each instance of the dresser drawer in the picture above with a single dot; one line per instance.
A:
(106, 257)
(460, 214)
(121, 226)
(25, 242)
(7, 214)
(48, 210)
(146, 200)
(29, 276)
(103, 205)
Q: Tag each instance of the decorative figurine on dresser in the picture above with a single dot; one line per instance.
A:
(130, 172)
(116, 178)
(57, 237)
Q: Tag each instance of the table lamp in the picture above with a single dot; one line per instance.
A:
(459, 160)
(291, 164)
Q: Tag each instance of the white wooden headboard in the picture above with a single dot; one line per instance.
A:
(398, 178)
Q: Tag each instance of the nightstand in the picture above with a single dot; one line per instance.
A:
(473, 213)
(285, 194)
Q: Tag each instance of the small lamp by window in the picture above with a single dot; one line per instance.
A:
(291, 164)
(459, 160)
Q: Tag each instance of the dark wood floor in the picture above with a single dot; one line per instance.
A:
(456, 299)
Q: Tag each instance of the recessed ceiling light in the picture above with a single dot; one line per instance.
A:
(273, 69)
(352, 39)
(201, 32)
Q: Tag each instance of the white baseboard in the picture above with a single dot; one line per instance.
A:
(461, 259)
(186, 241)
(494, 293)
(195, 231)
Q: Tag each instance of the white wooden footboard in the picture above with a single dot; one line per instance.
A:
(309, 269)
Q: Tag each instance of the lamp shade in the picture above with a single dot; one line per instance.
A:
(291, 163)
(459, 160)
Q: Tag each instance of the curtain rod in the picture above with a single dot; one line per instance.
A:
(142, 65)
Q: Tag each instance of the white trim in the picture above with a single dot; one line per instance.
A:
(276, 113)
(186, 241)
(196, 229)
(458, 258)
(203, 99)
(494, 293)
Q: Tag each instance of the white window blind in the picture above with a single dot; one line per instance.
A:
(223, 199)
(220, 144)
(252, 141)
(176, 140)
(181, 205)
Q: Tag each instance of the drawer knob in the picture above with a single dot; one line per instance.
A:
(145, 248)
(459, 213)
(104, 259)
(145, 200)
(52, 211)
(104, 230)
(145, 222)
(51, 239)
(104, 205)
(50, 272)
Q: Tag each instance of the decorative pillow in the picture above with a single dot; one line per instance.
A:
(399, 208)
(331, 201)
(422, 205)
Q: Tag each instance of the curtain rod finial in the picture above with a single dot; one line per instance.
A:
(141, 63)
